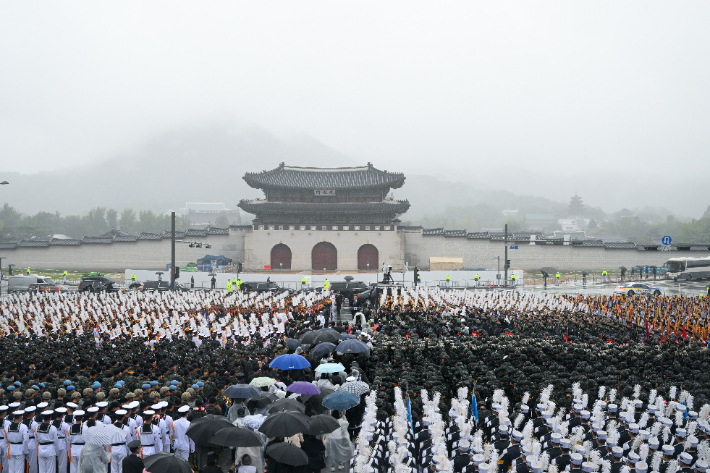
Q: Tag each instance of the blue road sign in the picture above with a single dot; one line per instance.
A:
(666, 240)
(513, 247)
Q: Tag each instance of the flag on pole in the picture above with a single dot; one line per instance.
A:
(409, 414)
(474, 407)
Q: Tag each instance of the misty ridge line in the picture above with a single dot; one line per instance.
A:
(206, 164)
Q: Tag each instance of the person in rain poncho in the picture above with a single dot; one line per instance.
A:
(255, 453)
(93, 459)
(338, 447)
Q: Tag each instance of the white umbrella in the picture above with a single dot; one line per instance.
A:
(104, 434)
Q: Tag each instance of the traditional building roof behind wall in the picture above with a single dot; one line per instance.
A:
(292, 177)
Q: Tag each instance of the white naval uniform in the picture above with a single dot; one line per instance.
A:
(17, 438)
(167, 439)
(149, 435)
(182, 443)
(119, 451)
(62, 445)
(31, 450)
(3, 443)
(47, 447)
(76, 443)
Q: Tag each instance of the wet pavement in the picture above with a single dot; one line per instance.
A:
(667, 287)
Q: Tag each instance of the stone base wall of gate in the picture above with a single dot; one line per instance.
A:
(258, 244)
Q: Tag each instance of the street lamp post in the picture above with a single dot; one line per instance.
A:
(172, 252)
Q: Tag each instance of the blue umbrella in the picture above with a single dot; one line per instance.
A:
(289, 362)
(330, 368)
(341, 401)
(322, 349)
(241, 391)
(352, 346)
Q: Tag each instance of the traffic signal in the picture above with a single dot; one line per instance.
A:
(416, 275)
(177, 272)
(239, 267)
(507, 264)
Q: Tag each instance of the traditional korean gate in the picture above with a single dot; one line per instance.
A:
(368, 258)
(280, 257)
(324, 257)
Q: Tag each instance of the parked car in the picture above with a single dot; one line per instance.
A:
(160, 286)
(637, 288)
(348, 288)
(262, 287)
(97, 284)
(26, 283)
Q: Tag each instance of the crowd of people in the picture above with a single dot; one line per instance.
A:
(455, 380)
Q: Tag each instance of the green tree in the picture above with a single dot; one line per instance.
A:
(112, 218)
(152, 223)
(222, 221)
(182, 222)
(96, 223)
(576, 207)
(128, 221)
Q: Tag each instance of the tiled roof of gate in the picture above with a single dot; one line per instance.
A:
(292, 177)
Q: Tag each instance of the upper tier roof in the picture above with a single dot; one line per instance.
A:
(292, 177)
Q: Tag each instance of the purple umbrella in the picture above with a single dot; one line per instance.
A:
(303, 387)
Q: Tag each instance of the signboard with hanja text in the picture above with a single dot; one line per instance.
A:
(324, 192)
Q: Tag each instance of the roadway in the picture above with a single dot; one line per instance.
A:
(667, 287)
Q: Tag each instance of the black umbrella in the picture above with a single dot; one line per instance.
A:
(241, 391)
(322, 349)
(313, 338)
(166, 463)
(287, 404)
(287, 454)
(262, 401)
(292, 343)
(319, 397)
(322, 424)
(236, 437)
(202, 430)
(284, 424)
(352, 346)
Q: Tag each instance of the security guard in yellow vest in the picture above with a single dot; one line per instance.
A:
(513, 279)
(28, 271)
(239, 284)
(476, 278)
(326, 284)
(604, 276)
(229, 286)
(448, 280)
(557, 276)
(304, 281)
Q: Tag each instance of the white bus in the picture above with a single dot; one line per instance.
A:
(688, 268)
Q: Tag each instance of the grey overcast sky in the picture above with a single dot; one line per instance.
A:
(549, 91)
